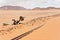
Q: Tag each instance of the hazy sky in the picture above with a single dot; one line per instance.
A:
(31, 3)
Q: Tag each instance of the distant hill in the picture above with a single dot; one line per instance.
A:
(38, 8)
(12, 8)
(22, 8)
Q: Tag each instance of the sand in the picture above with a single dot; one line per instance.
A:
(33, 18)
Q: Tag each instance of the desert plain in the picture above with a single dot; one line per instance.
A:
(32, 19)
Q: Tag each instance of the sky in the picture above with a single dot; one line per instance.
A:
(31, 3)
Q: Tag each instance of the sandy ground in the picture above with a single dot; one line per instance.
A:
(50, 31)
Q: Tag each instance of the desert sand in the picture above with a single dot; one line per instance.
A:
(33, 19)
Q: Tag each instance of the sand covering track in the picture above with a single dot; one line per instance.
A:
(8, 33)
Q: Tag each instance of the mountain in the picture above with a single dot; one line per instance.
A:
(12, 8)
(22, 8)
(38, 8)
